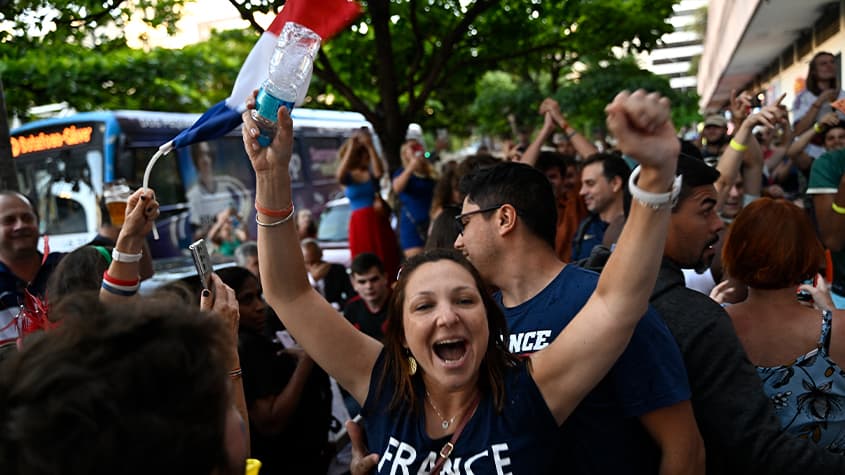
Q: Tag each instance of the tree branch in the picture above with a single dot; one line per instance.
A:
(324, 70)
(492, 60)
(418, 53)
(95, 16)
(445, 52)
(247, 14)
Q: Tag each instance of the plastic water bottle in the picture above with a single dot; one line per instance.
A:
(290, 73)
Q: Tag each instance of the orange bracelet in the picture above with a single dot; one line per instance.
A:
(273, 213)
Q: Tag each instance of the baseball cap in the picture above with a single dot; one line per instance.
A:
(414, 133)
(716, 120)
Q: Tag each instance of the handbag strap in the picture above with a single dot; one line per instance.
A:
(447, 449)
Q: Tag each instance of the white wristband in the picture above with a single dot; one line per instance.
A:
(654, 200)
(118, 256)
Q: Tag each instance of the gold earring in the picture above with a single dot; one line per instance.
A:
(412, 365)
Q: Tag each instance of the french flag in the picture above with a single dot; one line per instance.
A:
(324, 17)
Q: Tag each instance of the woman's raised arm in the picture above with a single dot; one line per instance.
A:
(587, 348)
(341, 350)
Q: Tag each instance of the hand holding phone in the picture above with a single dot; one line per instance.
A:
(202, 262)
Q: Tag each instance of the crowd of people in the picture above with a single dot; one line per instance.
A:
(645, 305)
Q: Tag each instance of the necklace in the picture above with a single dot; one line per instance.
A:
(444, 423)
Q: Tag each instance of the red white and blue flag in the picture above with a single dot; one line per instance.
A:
(324, 17)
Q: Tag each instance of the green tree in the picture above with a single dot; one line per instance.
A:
(402, 61)
(92, 22)
(113, 76)
(405, 60)
(583, 99)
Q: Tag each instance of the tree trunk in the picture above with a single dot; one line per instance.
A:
(390, 125)
(8, 177)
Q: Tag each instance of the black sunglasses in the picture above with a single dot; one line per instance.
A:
(461, 217)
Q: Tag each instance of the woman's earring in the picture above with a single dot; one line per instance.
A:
(412, 365)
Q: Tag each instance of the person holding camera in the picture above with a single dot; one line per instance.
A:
(359, 172)
(414, 184)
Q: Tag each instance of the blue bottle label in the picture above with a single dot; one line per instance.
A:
(267, 105)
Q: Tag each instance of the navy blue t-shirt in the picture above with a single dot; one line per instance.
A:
(522, 439)
(589, 235)
(649, 375)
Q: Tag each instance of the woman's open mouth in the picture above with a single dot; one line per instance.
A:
(451, 351)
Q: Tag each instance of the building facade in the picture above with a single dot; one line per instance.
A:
(765, 46)
(674, 58)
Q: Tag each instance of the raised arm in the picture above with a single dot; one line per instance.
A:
(414, 165)
(334, 344)
(124, 272)
(532, 153)
(744, 149)
(376, 166)
(345, 165)
(831, 222)
(224, 306)
(586, 349)
(809, 118)
(584, 147)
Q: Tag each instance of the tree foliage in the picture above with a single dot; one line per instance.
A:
(41, 22)
(406, 59)
(117, 77)
(583, 99)
(402, 61)
(582, 95)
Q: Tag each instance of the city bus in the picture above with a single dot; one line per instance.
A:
(63, 163)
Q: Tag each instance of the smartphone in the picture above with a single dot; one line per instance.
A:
(202, 261)
(803, 295)
(286, 340)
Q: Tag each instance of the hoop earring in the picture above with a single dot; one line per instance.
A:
(412, 365)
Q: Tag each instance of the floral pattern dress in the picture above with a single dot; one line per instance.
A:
(808, 395)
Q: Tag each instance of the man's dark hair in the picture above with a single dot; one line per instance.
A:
(131, 389)
(547, 160)
(364, 262)
(444, 229)
(522, 186)
(612, 166)
(694, 170)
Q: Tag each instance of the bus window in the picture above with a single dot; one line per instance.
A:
(59, 183)
(222, 178)
(63, 215)
(322, 157)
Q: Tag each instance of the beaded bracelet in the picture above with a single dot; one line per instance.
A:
(654, 201)
(276, 223)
